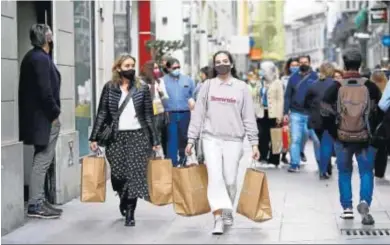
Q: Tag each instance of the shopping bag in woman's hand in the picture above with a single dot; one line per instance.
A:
(160, 180)
(254, 202)
(190, 190)
(286, 137)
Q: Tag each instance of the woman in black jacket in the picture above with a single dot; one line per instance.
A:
(313, 101)
(130, 143)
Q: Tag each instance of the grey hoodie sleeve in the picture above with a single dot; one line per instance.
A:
(198, 114)
(249, 119)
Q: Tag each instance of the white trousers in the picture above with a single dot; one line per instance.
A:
(222, 159)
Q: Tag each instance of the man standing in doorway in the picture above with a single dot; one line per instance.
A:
(180, 89)
(297, 87)
(39, 109)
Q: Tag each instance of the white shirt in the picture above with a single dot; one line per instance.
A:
(128, 119)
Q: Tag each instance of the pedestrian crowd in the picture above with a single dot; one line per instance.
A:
(163, 113)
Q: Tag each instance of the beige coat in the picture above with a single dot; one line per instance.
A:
(275, 98)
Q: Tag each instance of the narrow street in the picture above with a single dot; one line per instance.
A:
(305, 211)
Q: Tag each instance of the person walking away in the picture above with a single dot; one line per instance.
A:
(294, 111)
(380, 79)
(222, 125)
(39, 109)
(292, 66)
(151, 75)
(355, 100)
(133, 135)
(204, 74)
(180, 89)
(269, 112)
(313, 101)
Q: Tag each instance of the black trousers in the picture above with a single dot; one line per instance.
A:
(264, 126)
(381, 159)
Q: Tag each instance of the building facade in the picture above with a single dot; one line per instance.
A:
(87, 37)
(307, 36)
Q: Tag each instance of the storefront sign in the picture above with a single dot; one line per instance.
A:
(378, 15)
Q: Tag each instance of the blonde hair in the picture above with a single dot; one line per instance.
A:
(326, 70)
(380, 79)
(116, 77)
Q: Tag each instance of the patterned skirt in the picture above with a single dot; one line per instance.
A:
(128, 158)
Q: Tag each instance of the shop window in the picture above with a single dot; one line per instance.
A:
(83, 69)
(122, 26)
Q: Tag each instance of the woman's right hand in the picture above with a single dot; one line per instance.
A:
(189, 149)
(94, 146)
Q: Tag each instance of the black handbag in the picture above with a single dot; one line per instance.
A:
(105, 136)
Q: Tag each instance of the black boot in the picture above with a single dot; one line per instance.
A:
(129, 220)
(122, 206)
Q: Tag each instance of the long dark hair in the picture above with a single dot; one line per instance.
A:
(147, 72)
(207, 71)
(287, 71)
(229, 55)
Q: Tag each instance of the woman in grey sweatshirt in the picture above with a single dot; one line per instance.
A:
(222, 117)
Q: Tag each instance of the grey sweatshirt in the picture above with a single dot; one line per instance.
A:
(230, 114)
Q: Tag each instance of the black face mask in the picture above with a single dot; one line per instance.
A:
(51, 46)
(223, 69)
(129, 74)
(304, 68)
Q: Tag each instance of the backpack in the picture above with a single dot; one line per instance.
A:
(353, 109)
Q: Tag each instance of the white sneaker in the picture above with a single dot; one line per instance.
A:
(218, 226)
(227, 217)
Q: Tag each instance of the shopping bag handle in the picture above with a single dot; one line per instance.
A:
(253, 166)
(99, 152)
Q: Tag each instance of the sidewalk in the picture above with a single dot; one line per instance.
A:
(305, 211)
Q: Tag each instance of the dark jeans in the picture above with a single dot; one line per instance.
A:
(326, 150)
(177, 135)
(365, 156)
(264, 125)
(381, 159)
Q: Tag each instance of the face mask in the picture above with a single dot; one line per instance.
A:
(244, 77)
(129, 74)
(294, 69)
(156, 73)
(223, 69)
(304, 68)
(261, 73)
(175, 72)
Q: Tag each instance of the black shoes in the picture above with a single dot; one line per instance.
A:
(364, 211)
(303, 157)
(324, 176)
(122, 205)
(129, 218)
(42, 211)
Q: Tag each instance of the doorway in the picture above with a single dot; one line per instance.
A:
(33, 12)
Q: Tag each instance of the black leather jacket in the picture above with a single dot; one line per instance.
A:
(109, 104)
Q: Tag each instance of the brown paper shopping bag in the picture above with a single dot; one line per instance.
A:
(254, 202)
(190, 190)
(93, 179)
(277, 140)
(160, 181)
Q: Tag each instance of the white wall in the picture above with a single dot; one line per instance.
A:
(173, 30)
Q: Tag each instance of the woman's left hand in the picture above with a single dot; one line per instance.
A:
(255, 152)
(156, 147)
